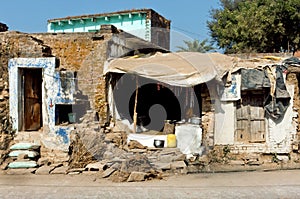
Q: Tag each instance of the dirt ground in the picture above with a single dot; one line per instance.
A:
(272, 184)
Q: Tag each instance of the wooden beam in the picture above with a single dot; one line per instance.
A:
(135, 104)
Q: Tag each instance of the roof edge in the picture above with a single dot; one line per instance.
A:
(145, 10)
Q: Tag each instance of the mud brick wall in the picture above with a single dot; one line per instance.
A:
(84, 53)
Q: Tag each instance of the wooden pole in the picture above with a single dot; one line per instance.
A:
(135, 105)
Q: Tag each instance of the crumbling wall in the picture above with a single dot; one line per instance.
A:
(85, 54)
(293, 79)
(207, 117)
(13, 45)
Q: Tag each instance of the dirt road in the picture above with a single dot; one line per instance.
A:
(273, 184)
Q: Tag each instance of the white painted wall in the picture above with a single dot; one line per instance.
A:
(282, 134)
(279, 135)
(224, 122)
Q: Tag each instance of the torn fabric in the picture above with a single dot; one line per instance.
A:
(253, 79)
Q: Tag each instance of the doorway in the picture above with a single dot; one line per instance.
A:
(30, 112)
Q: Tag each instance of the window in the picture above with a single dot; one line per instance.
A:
(250, 117)
(63, 114)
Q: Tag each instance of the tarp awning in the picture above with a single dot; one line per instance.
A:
(184, 69)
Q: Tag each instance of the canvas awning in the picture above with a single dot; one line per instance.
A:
(183, 69)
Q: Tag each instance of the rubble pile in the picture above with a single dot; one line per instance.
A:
(107, 152)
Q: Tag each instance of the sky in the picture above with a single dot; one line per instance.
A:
(188, 17)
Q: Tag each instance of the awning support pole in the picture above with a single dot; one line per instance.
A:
(135, 105)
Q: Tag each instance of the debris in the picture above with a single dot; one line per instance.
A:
(137, 176)
(133, 144)
(178, 165)
(60, 170)
(44, 170)
(20, 171)
(108, 172)
(97, 166)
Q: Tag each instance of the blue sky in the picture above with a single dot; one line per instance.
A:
(188, 17)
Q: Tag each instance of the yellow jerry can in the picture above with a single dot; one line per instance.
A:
(171, 141)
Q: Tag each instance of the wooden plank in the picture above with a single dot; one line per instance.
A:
(32, 99)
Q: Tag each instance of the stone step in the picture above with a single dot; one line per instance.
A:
(29, 154)
(25, 146)
(22, 164)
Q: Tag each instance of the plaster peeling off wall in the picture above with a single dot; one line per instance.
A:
(66, 87)
(282, 133)
(48, 66)
(54, 137)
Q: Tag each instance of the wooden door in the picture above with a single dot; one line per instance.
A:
(250, 118)
(32, 99)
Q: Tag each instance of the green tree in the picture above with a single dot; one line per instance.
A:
(240, 26)
(196, 46)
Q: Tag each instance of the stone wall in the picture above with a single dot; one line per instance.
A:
(84, 53)
(207, 116)
(13, 45)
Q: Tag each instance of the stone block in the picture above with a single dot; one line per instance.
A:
(44, 170)
(178, 165)
(76, 170)
(180, 157)
(236, 162)
(108, 172)
(137, 176)
(43, 161)
(163, 166)
(166, 158)
(96, 166)
(60, 170)
(20, 171)
(74, 173)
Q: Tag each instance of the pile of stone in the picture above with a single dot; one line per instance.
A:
(3, 27)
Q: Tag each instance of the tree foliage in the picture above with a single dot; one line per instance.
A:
(196, 46)
(240, 26)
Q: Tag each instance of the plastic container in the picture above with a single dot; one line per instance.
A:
(72, 117)
(171, 141)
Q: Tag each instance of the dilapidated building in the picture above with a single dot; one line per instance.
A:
(105, 97)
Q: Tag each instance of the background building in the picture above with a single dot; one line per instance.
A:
(144, 23)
